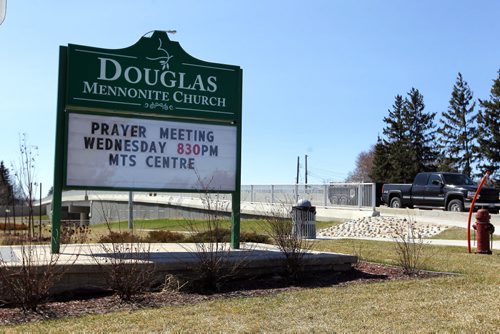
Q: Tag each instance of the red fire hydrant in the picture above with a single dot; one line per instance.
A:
(484, 229)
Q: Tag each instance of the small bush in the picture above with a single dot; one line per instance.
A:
(28, 283)
(215, 234)
(11, 227)
(280, 230)
(165, 236)
(409, 247)
(127, 269)
(9, 240)
(224, 235)
(254, 237)
(74, 233)
(119, 237)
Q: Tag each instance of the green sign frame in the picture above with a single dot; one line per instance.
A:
(155, 80)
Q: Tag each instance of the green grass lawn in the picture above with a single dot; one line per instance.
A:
(454, 233)
(184, 225)
(468, 302)
(141, 227)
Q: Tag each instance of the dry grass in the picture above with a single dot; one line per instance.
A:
(444, 304)
(404, 306)
(454, 233)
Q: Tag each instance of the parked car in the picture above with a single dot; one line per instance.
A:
(447, 191)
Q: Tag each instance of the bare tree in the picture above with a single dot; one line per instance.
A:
(28, 284)
(364, 164)
(213, 264)
(25, 173)
(125, 261)
(279, 227)
(409, 246)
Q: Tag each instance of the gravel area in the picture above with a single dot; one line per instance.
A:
(381, 227)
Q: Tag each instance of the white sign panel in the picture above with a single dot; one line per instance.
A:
(120, 152)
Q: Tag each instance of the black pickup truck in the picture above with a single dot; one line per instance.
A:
(448, 191)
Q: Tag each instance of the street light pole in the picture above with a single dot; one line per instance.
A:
(3, 10)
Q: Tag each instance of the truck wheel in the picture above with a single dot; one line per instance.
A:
(395, 202)
(455, 205)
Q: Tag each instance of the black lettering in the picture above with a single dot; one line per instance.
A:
(104, 129)
(210, 136)
(214, 150)
(163, 133)
(94, 127)
(132, 162)
(114, 130)
(108, 144)
(100, 144)
(89, 142)
(142, 131)
(125, 129)
(113, 159)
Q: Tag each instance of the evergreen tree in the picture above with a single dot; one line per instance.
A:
(5, 185)
(489, 133)
(396, 129)
(410, 139)
(381, 165)
(397, 143)
(421, 135)
(458, 130)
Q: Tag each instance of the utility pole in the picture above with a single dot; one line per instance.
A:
(40, 213)
(298, 162)
(130, 210)
(306, 169)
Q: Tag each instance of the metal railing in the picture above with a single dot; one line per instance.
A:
(357, 195)
(334, 194)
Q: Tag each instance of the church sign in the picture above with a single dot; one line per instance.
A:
(149, 117)
(154, 76)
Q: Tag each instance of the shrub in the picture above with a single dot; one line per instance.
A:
(292, 245)
(409, 247)
(224, 235)
(128, 271)
(254, 237)
(27, 285)
(211, 234)
(13, 227)
(74, 233)
(119, 237)
(165, 236)
(9, 240)
(214, 265)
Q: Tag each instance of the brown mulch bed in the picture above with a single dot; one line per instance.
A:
(363, 273)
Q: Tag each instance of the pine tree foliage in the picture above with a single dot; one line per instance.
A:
(458, 131)
(397, 142)
(489, 133)
(5, 185)
(409, 144)
(421, 134)
(396, 129)
(381, 165)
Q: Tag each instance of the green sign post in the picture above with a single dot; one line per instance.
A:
(149, 117)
